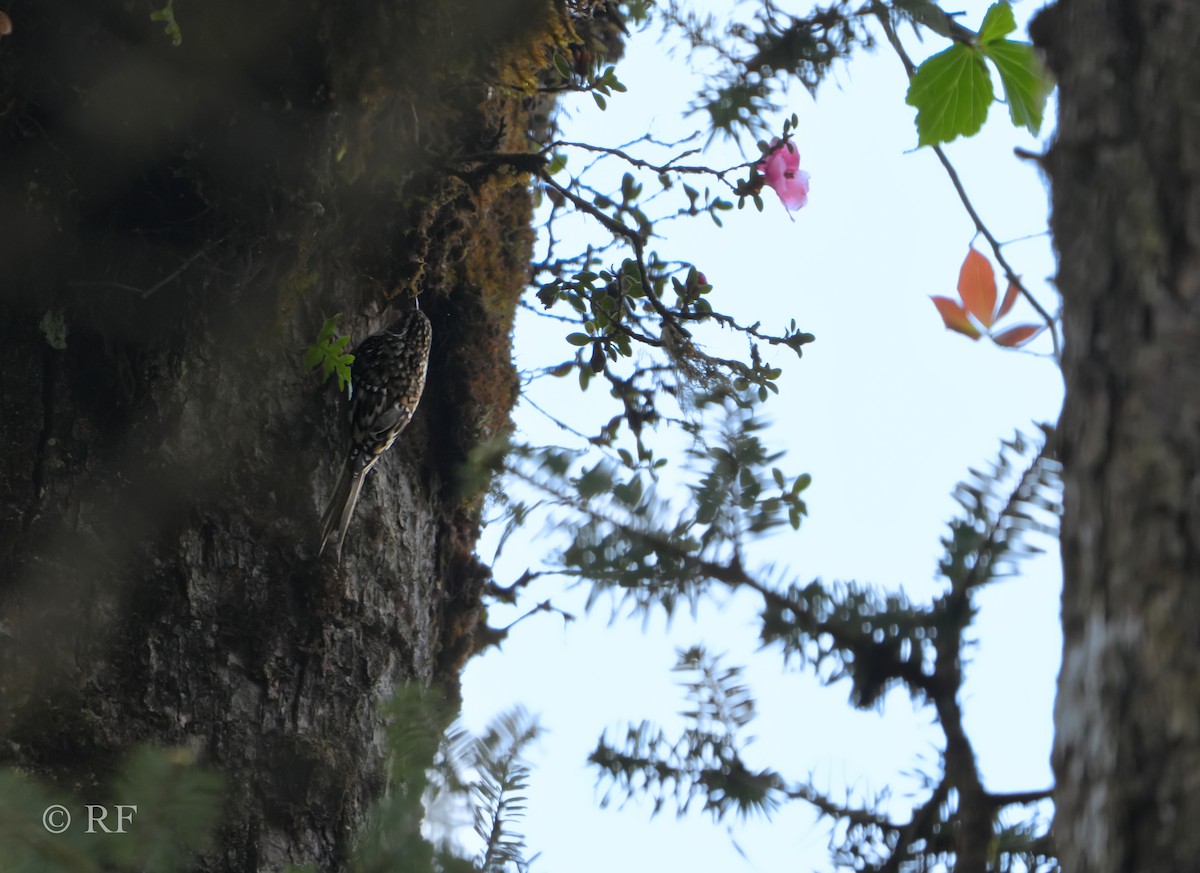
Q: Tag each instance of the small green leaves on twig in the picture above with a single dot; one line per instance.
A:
(576, 73)
(329, 353)
(605, 84)
(170, 26)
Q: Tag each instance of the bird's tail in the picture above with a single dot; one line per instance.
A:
(341, 507)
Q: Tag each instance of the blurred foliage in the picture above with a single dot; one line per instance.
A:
(439, 774)
(875, 642)
(171, 807)
(705, 762)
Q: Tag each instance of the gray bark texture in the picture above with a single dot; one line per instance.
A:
(176, 222)
(1125, 170)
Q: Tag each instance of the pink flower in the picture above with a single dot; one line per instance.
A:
(780, 169)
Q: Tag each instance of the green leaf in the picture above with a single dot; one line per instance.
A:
(342, 369)
(597, 480)
(329, 353)
(610, 78)
(170, 25)
(1025, 80)
(578, 339)
(628, 189)
(952, 92)
(998, 22)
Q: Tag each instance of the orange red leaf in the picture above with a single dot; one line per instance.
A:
(1018, 336)
(977, 287)
(955, 317)
(1010, 297)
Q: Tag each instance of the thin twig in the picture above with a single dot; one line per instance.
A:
(146, 292)
(1020, 797)
(647, 165)
(618, 228)
(884, 16)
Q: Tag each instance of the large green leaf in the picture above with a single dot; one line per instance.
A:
(952, 92)
(998, 22)
(1025, 80)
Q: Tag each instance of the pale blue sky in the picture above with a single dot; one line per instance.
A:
(887, 410)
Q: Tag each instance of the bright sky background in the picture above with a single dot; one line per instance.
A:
(887, 410)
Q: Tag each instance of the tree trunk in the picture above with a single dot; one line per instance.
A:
(1125, 170)
(177, 221)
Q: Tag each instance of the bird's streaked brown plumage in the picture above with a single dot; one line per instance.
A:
(386, 381)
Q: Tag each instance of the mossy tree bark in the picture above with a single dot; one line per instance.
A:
(1125, 169)
(176, 222)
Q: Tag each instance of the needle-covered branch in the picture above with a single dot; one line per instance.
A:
(652, 553)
